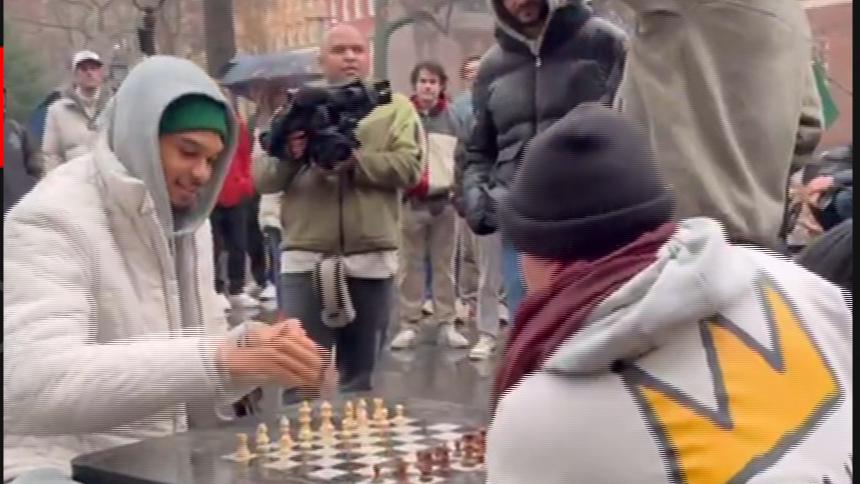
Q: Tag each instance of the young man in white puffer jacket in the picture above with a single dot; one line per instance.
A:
(109, 330)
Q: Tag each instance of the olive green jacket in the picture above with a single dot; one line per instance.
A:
(368, 196)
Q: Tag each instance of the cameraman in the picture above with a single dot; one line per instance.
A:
(348, 214)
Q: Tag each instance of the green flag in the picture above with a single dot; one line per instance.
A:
(828, 106)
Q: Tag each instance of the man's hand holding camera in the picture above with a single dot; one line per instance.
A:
(297, 143)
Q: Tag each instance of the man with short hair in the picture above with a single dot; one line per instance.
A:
(341, 218)
(70, 125)
(429, 219)
(111, 331)
(550, 56)
(658, 343)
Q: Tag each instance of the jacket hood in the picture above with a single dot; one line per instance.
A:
(697, 272)
(131, 123)
(506, 25)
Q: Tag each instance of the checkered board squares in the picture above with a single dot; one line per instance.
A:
(340, 462)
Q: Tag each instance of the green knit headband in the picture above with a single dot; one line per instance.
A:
(194, 112)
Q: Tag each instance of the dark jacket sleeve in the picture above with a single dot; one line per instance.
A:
(612, 54)
(479, 159)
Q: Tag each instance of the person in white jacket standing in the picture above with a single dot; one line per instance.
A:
(654, 352)
(110, 331)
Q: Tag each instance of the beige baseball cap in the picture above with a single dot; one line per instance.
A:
(85, 55)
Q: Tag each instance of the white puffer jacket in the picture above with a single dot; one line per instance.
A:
(96, 350)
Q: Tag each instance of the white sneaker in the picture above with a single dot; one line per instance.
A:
(268, 292)
(253, 289)
(504, 314)
(404, 339)
(224, 303)
(243, 301)
(483, 348)
(449, 335)
(427, 308)
(462, 310)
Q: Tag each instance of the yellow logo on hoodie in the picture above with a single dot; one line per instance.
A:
(768, 400)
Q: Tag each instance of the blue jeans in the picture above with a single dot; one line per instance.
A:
(272, 238)
(44, 476)
(513, 276)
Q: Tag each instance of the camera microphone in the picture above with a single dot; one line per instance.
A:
(307, 97)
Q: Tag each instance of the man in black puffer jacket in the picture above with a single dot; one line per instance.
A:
(550, 56)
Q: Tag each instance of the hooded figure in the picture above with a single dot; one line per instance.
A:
(653, 352)
(110, 316)
(726, 93)
(550, 56)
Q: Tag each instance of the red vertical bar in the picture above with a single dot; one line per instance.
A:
(3, 105)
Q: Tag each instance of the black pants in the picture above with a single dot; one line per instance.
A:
(256, 247)
(356, 343)
(229, 233)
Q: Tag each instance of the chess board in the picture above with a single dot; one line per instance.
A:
(352, 460)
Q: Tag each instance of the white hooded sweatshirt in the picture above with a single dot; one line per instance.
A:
(736, 366)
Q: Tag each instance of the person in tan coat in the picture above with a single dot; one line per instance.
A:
(727, 95)
(70, 125)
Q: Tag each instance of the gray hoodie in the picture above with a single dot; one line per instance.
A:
(132, 133)
(735, 366)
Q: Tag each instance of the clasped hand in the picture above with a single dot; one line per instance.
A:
(282, 354)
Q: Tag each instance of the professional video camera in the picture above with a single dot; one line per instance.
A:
(329, 117)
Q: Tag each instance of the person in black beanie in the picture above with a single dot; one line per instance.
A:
(632, 320)
(546, 216)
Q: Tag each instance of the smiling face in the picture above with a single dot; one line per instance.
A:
(188, 160)
(344, 55)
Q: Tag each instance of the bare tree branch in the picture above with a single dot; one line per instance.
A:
(77, 3)
(48, 25)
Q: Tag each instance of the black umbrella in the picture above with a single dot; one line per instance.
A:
(292, 68)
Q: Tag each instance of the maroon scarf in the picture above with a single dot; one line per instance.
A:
(548, 317)
(441, 104)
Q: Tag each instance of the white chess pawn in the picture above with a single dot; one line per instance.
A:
(378, 405)
(400, 417)
(243, 453)
(361, 414)
(262, 438)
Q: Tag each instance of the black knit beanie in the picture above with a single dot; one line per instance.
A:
(587, 186)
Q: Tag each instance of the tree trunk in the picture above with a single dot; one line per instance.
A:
(220, 36)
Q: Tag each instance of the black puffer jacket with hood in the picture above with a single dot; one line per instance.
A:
(524, 85)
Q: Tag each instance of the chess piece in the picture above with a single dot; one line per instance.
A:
(400, 417)
(349, 410)
(346, 429)
(442, 458)
(381, 420)
(378, 405)
(469, 457)
(401, 470)
(361, 414)
(284, 423)
(458, 448)
(306, 435)
(286, 443)
(262, 438)
(326, 425)
(243, 453)
(425, 465)
(377, 473)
